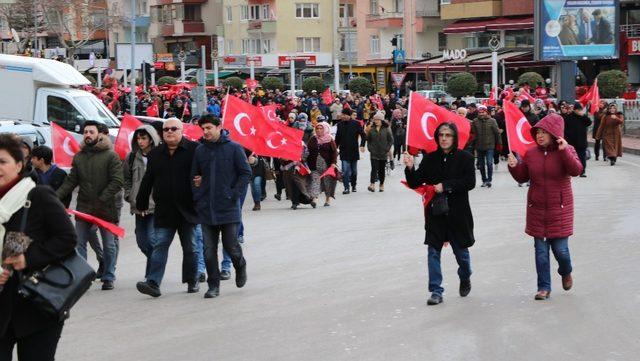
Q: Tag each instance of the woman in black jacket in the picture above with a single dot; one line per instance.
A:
(53, 238)
(451, 172)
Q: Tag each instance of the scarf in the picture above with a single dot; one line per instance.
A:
(13, 201)
(326, 138)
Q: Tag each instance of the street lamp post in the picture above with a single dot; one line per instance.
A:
(494, 45)
(214, 61)
(132, 107)
(182, 56)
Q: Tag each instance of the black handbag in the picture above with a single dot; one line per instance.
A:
(56, 289)
(439, 205)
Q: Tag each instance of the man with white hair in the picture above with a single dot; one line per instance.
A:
(168, 176)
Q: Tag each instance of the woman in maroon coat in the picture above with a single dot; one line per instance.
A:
(549, 167)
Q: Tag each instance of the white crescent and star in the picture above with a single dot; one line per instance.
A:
(238, 126)
(271, 115)
(521, 123)
(424, 123)
(66, 147)
(283, 141)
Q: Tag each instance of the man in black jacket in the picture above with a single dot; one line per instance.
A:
(347, 141)
(168, 175)
(451, 172)
(48, 173)
(576, 125)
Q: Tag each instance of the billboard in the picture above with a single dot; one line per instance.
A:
(144, 52)
(576, 29)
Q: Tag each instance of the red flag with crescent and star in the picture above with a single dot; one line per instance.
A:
(518, 129)
(279, 140)
(128, 126)
(242, 120)
(425, 116)
(64, 146)
(270, 112)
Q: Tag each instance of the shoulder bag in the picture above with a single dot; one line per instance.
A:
(439, 205)
(55, 289)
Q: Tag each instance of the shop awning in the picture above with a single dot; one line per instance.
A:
(490, 24)
(315, 70)
(474, 63)
(277, 71)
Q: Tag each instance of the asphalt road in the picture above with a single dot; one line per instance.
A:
(349, 282)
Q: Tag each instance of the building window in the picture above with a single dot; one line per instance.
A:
(518, 38)
(348, 42)
(230, 46)
(254, 12)
(479, 40)
(307, 11)
(346, 10)
(266, 46)
(244, 13)
(374, 45)
(229, 11)
(256, 46)
(266, 12)
(374, 7)
(398, 6)
(192, 13)
(442, 41)
(308, 45)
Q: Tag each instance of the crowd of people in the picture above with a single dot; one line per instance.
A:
(197, 188)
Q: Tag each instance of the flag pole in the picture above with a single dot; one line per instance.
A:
(406, 140)
(226, 102)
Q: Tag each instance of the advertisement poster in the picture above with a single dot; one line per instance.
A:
(577, 29)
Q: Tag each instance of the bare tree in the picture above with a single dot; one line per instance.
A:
(23, 16)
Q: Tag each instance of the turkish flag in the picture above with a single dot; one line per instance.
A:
(270, 112)
(118, 231)
(186, 111)
(425, 116)
(508, 94)
(595, 98)
(152, 110)
(252, 84)
(330, 172)
(492, 97)
(327, 97)
(426, 191)
(303, 169)
(377, 101)
(518, 129)
(242, 120)
(192, 132)
(64, 146)
(128, 126)
(279, 140)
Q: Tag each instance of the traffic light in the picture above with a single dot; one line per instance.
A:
(394, 41)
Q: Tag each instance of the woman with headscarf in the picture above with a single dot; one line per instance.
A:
(549, 167)
(610, 133)
(399, 129)
(323, 153)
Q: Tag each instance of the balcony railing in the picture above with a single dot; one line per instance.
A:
(384, 15)
(347, 22)
(632, 30)
(349, 56)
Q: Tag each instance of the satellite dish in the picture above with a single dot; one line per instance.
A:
(14, 33)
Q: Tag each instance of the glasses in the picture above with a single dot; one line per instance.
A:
(170, 129)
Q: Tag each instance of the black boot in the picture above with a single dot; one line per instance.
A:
(241, 276)
(465, 288)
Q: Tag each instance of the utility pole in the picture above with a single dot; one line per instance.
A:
(132, 109)
(336, 47)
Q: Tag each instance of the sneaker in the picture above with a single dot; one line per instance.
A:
(107, 285)
(567, 282)
(435, 299)
(148, 288)
(346, 191)
(542, 295)
(225, 275)
(465, 288)
(213, 292)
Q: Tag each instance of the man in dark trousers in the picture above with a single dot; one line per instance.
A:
(168, 175)
(349, 129)
(48, 173)
(220, 174)
(576, 125)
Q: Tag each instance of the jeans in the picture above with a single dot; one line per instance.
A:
(435, 273)
(560, 248)
(145, 237)
(256, 189)
(164, 237)
(200, 249)
(38, 346)
(378, 170)
(230, 245)
(485, 163)
(109, 245)
(349, 173)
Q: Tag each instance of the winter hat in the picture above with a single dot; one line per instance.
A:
(397, 113)
(482, 107)
(379, 116)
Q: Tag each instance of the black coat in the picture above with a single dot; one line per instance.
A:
(575, 129)
(347, 139)
(169, 176)
(457, 174)
(54, 238)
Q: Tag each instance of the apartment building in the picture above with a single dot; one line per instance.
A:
(185, 25)
(120, 13)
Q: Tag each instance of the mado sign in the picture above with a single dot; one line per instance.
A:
(454, 54)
